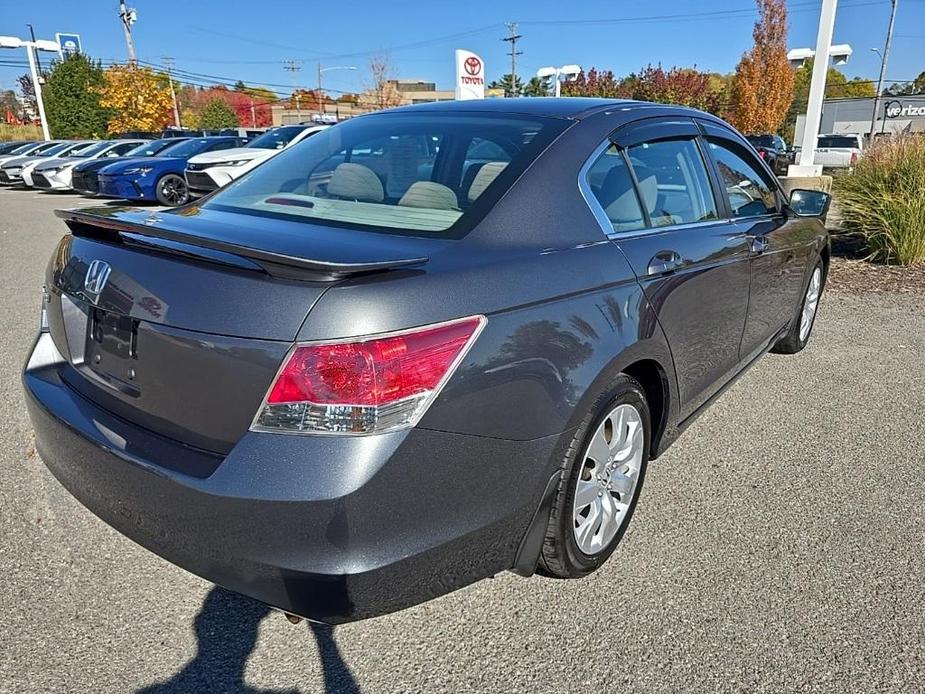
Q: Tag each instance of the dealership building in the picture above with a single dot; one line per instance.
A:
(897, 114)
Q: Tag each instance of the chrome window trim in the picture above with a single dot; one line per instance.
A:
(604, 221)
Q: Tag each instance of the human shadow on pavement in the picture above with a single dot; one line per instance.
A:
(226, 634)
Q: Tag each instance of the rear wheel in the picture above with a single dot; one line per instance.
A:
(171, 190)
(802, 327)
(601, 481)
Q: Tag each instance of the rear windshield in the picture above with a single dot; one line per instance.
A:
(835, 141)
(409, 173)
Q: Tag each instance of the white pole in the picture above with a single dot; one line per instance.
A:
(817, 91)
(558, 84)
(37, 87)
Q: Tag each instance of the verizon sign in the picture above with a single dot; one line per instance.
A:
(470, 75)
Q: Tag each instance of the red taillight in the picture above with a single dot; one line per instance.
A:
(854, 158)
(367, 385)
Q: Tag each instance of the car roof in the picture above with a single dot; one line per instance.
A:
(564, 107)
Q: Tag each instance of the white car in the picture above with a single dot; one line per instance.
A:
(211, 170)
(23, 174)
(55, 174)
(838, 151)
(27, 149)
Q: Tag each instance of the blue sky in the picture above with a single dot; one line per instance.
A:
(250, 41)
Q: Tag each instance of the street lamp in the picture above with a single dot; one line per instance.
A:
(325, 69)
(31, 47)
(559, 74)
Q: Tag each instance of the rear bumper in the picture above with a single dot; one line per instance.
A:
(331, 528)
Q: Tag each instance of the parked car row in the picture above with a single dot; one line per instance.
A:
(170, 170)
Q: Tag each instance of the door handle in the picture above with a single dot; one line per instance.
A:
(664, 262)
(759, 244)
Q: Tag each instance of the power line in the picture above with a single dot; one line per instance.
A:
(293, 66)
(512, 38)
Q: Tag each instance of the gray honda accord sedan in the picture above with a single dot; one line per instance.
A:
(420, 348)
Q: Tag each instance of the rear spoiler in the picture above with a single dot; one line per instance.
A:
(281, 265)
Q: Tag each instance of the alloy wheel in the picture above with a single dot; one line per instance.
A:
(173, 190)
(810, 303)
(608, 479)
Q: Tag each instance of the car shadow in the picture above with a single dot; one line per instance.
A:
(226, 633)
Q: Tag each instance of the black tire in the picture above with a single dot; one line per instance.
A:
(171, 190)
(792, 343)
(561, 556)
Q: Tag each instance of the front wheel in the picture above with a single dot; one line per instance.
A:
(802, 327)
(171, 190)
(602, 477)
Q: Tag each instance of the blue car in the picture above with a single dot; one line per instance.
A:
(159, 178)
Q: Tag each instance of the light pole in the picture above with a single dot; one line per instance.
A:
(325, 69)
(559, 74)
(31, 47)
(883, 58)
(824, 47)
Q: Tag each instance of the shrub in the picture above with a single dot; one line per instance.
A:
(883, 200)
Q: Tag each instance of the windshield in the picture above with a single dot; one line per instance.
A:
(153, 148)
(95, 148)
(187, 148)
(49, 148)
(27, 148)
(838, 142)
(278, 138)
(399, 172)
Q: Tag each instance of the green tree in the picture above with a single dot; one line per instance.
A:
(217, 114)
(512, 85)
(72, 99)
(537, 87)
(916, 86)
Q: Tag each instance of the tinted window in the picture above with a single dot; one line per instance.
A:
(610, 181)
(673, 182)
(761, 140)
(277, 138)
(151, 149)
(835, 141)
(392, 171)
(188, 148)
(91, 150)
(748, 192)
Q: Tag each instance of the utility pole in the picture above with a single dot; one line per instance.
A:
(253, 114)
(512, 39)
(883, 61)
(320, 98)
(38, 60)
(294, 67)
(128, 16)
(168, 64)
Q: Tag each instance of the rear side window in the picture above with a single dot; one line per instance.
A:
(836, 142)
(749, 194)
(673, 182)
(433, 173)
(610, 180)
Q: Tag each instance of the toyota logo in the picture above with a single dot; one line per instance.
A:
(473, 65)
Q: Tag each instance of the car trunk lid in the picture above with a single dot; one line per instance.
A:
(180, 328)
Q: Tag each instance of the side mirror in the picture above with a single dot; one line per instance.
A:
(809, 203)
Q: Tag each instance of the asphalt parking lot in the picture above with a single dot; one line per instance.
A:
(778, 546)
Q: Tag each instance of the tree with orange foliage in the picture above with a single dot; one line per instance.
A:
(764, 81)
(138, 97)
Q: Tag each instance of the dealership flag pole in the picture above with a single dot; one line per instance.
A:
(883, 59)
